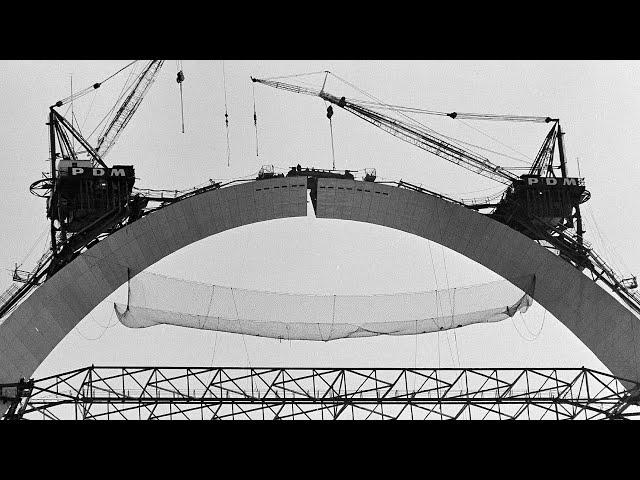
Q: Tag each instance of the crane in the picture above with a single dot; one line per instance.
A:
(554, 201)
(82, 199)
(541, 204)
(413, 134)
(427, 139)
(86, 199)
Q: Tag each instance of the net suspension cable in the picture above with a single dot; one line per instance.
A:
(451, 295)
(439, 309)
(246, 350)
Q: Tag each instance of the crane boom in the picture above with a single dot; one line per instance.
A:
(408, 133)
(128, 107)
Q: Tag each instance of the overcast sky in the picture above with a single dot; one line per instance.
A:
(597, 102)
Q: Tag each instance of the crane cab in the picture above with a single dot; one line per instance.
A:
(84, 194)
(66, 163)
(533, 198)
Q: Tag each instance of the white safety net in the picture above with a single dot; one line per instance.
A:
(156, 299)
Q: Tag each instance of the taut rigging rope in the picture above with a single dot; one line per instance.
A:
(226, 114)
(255, 116)
(180, 79)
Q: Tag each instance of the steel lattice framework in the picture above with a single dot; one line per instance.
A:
(143, 393)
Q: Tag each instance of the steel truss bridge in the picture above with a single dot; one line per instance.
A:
(236, 393)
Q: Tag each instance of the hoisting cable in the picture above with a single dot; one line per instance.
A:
(35, 244)
(92, 87)
(529, 160)
(453, 115)
(451, 299)
(375, 103)
(438, 307)
(93, 99)
(295, 75)
(226, 113)
(413, 121)
(255, 116)
(110, 77)
(500, 118)
(333, 154)
(180, 79)
(73, 143)
(123, 91)
(246, 350)
(75, 121)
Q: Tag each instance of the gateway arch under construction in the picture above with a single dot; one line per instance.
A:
(104, 233)
(37, 325)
